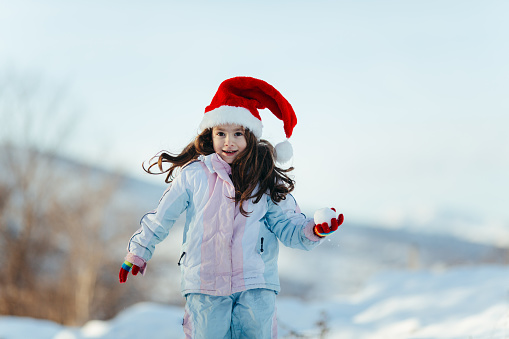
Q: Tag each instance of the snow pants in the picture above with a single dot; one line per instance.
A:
(249, 314)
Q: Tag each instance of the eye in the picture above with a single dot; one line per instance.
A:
(220, 134)
(238, 134)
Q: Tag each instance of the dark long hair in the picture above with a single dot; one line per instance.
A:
(254, 167)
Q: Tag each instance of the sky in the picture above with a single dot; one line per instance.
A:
(402, 106)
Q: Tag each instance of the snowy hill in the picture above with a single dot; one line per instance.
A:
(459, 303)
(363, 282)
(357, 253)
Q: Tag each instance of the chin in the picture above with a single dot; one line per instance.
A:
(229, 161)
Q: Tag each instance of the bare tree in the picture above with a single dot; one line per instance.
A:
(54, 212)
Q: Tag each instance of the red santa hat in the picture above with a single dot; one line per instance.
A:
(238, 100)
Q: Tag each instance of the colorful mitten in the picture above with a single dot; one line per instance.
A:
(124, 271)
(322, 218)
(137, 264)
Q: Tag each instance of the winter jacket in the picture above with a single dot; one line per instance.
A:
(223, 252)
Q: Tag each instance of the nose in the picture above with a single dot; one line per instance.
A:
(228, 140)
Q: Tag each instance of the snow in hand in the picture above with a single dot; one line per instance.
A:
(324, 215)
(458, 303)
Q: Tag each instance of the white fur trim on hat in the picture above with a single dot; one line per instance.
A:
(232, 115)
(284, 151)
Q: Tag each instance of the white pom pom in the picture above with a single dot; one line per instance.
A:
(284, 151)
(324, 215)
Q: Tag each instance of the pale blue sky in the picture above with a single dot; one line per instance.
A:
(402, 106)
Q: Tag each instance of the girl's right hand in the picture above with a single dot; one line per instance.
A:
(124, 271)
(325, 217)
(322, 230)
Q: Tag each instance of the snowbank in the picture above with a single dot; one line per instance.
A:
(458, 303)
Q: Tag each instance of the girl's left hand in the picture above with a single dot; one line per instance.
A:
(323, 229)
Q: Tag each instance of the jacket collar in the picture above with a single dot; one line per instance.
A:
(215, 164)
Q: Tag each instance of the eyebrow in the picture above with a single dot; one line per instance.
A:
(239, 129)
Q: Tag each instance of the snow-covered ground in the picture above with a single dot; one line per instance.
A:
(363, 282)
(467, 302)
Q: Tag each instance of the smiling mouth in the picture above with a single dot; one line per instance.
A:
(229, 152)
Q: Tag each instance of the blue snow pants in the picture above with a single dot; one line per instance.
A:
(249, 314)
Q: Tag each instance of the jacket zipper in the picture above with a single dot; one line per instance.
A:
(179, 263)
(261, 246)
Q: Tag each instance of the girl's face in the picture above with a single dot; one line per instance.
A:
(228, 141)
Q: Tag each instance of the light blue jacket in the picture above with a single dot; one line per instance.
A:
(223, 252)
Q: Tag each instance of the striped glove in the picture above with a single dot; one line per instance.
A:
(124, 271)
(322, 217)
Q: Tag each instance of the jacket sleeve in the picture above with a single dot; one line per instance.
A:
(155, 225)
(291, 226)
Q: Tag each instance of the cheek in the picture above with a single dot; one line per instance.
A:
(242, 145)
(216, 145)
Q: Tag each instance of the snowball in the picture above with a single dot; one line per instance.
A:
(324, 215)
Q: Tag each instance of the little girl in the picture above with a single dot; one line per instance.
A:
(239, 206)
